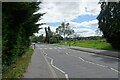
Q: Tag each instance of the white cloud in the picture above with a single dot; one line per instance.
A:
(80, 29)
(70, 0)
(42, 31)
(88, 24)
(60, 11)
(84, 32)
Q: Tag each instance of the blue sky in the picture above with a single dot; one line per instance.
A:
(84, 18)
(81, 16)
(77, 19)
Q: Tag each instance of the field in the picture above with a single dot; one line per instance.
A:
(98, 44)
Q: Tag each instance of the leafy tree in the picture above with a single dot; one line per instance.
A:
(64, 29)
(109, 22)
(19, 23)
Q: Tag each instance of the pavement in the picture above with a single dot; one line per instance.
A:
(39, 67)
(54, 61)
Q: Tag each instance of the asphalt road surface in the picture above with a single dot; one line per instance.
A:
(68, 63)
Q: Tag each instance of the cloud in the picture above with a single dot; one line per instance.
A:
(67, 10)
(81, 29)
(84, 32)
(42, 31)
(60, 11)
(88, 24)
(70, 0)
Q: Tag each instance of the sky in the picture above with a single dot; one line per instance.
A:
(81, 14)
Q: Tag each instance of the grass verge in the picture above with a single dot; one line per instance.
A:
(97, 44)
(20, 66)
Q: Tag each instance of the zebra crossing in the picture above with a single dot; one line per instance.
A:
(51, 48)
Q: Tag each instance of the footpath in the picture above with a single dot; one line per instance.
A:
(39, 67)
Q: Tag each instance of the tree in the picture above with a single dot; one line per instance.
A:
(109, 22)
(46, 38)
(64, 29)
(19, 23)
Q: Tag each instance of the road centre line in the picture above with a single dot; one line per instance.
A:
(50, 48)
(102, 55)
(95, 63)
(81, 58)
(115, 70)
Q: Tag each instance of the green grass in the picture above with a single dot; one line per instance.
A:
(98, 44)
(20, 66)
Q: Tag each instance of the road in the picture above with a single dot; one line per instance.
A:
(68, 63)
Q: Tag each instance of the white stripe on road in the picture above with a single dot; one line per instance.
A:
(104, 56)
(115, 70)
(67, 53)
(66, 75)
(58, 69)
(50, 48)
(50, 67)
(81, 58)
(95, 63)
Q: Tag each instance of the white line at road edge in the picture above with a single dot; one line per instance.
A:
(66, 75)
(50, 67)
(94, 63)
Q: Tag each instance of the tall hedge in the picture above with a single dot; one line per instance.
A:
(18, 24)
(109, 22)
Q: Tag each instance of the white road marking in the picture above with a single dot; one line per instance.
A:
(59, 48)
(50, 67)
(50, 48)
(67, 53)
(45, 48)
(58, 69)
(81, 58)
(52, 61)
(115, 70)
(101, 65)
(103, 56)
(95, 63)
(66, 75)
